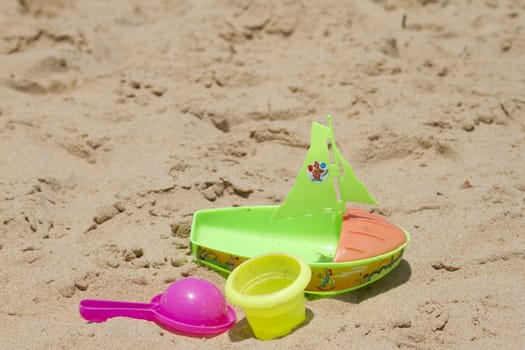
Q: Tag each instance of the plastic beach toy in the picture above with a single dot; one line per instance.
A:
(270, 289)
(346, 247)
(190, 306)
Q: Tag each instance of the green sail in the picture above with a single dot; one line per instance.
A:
(314, 191)
(308, 195)
(351, 189)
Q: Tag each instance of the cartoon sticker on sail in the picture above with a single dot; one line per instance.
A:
(317, 171)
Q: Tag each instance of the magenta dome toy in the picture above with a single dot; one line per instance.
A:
(190, 306)
(195, 301)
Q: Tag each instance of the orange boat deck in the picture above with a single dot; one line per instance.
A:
(365, 235)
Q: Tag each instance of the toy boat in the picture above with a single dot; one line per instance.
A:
(346, 247)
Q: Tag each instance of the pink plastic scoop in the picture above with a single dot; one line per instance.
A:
(190, 306)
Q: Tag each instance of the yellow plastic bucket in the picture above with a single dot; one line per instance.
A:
(270, 289)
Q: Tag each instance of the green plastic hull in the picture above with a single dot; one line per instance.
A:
(224, 238)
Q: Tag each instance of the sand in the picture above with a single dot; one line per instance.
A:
(119, 119)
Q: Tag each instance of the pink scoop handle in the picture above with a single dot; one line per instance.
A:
(100, 310)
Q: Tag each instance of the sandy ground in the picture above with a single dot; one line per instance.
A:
(119, 119)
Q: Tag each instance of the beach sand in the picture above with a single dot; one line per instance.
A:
(119, 119)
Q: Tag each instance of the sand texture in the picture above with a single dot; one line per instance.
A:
(119, 119)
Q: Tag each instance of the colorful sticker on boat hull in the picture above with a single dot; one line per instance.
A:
(346, 278)
(325, 280)
(216, 259)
